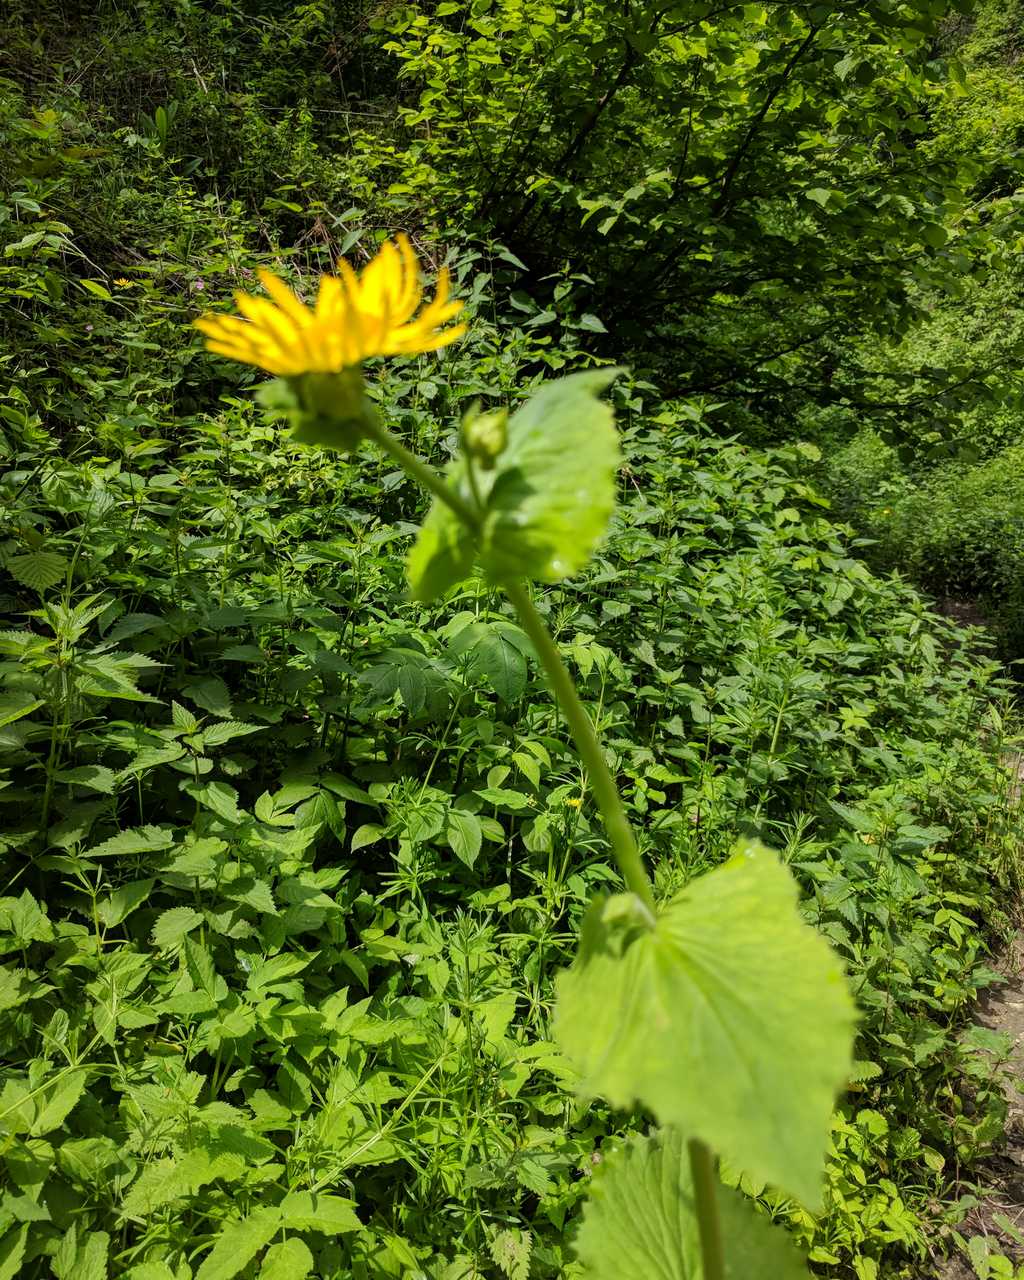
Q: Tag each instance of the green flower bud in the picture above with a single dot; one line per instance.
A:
(484, 435)
(327, 409)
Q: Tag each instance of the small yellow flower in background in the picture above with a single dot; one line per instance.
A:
(123, 282)
(354, 318)
(574, 802)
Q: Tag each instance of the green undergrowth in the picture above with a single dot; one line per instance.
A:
(939, 495)
(313, 854)
(288, 862)
(956, 529)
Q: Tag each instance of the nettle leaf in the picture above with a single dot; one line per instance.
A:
(151, 1271)
(58, 1103)
(212, 694)
(200, 967)
(729, 1017)
(182, 718)
(82, 1258)
(96, 777)
(239, 1243)
(215, 735)
(163, 1181)
(38, 570)
(26, 919)
(640, 1221)
(289, 1260)
(442, 555)
(219, 797)
(511, 1251)
(554, 484)
(123, 901)
(173, 925)
(132, 841)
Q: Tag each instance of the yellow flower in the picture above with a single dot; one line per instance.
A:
(123, 283)
(354, 317)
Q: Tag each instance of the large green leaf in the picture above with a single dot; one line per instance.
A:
(289, 1260)
(729, 1017)
(239, 1243)
(38, 569)
(82, 1257)
(464, 835)
(496, 650)
(57, 1104)
(442, 555)
(640, 1222)
(314, 1211)
(547, 501)
(554, 485)
(12, 1251)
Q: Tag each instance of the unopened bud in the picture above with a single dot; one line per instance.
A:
(484, 436)
(326, 409)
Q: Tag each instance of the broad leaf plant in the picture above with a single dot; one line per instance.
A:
(720, 1012)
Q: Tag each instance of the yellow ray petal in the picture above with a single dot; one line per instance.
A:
(353, 318)
(411, 294)
(283, 296)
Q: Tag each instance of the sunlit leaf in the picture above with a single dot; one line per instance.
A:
(554, 486)
(640, 1221)
(716, 1018)
(239, 1243)
(289, 1260)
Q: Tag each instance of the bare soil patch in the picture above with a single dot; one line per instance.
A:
(1001, 1009)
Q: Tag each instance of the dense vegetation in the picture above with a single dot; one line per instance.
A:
(289, 861)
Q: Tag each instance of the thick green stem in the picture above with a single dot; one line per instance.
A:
(425, 474)
(605, 791)
(705, 1198)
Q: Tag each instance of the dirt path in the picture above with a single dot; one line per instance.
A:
(1002, 1177)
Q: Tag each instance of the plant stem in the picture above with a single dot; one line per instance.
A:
(607, 794)
(605, 791)
(702, 1167)
(425, 474)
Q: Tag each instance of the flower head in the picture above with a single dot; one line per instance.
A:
(354, 317)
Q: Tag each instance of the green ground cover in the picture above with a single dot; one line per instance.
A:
(289, 861)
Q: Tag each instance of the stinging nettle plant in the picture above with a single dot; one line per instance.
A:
(721, 1012)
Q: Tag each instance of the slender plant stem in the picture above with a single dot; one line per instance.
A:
(702, 1167)
(607, 794)
(425, 474)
